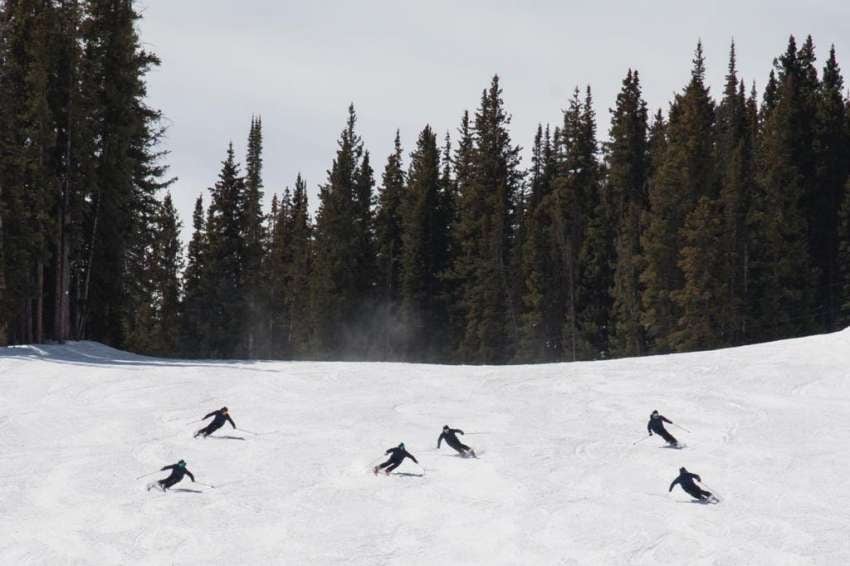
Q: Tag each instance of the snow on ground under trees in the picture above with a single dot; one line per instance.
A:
(559, 480)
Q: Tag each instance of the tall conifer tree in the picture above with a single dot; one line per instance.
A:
(425, 253)
(628, 170)
(485, 231)
(682, 176)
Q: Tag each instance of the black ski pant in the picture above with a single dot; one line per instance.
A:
(390, 465)
(666, 436)
(696, 492)
(460, 447)
(209, 429)
(168, 482)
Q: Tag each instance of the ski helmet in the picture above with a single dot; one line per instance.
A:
(223, 409)
(181, 463)
(401, 445)
(655, 412)
(445, 427)
(682, 470)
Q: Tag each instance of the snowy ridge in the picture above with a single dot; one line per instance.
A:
(559, 480)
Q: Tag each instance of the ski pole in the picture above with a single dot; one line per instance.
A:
(197, 421)
(205, 484)
(146, 475)
(681, 427)
(639, 441)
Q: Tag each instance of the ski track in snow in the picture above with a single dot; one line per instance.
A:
(559, 480)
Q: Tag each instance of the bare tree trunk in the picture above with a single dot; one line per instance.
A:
(61, 312)
(39, 302)
(4, 339)
(83, 306)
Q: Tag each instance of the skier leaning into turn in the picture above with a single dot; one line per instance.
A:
(220, 417)
(686, 480)
(656, 425)
(450, 436)
(397, 456)
(178, 470)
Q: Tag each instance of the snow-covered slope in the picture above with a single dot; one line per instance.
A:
(559, 480)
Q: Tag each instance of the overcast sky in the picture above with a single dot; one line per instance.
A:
(405, 64)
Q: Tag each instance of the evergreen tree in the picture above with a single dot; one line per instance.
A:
(596, 252)
(537, 333)
(194, 321)
(159, 326)
(253, 242)
(844, 258)
(832, 155)
(713, 236)
(683, 176)
(425, 253)
(278, 265)
(388, 224)
(225, 257)
(780, 274)
(461, 270)
(298, 274)
(344, 270)
(388, 246)
(628, 169)
(27, 142)
(488, 193)
(127, 172)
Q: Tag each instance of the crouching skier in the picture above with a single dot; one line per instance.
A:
(686, 480)
(450, 436)
(178, 470)
(220, 417)
(656, 425)
(397, 456)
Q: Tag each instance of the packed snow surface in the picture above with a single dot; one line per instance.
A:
(559, 479)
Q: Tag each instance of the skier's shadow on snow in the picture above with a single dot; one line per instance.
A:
(186, 490)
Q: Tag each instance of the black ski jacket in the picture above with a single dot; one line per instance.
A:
(686, 480)
(219, 419)
(177, 473)
(656, 425)
(450, 436)
(397, 455)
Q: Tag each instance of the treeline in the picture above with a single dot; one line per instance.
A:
(80, 223)
(717, 223)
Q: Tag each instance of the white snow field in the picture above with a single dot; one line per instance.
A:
(559, 480)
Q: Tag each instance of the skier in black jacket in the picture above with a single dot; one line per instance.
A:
(656, 425)
(397, 456)
(450, 436)
(220, 417)
(686, 480)
(178, 470)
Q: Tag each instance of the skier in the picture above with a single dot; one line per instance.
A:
(686, 480)
(178, 470)
(450, 436)
(397, 456)
(220, 417)
(656, 425)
